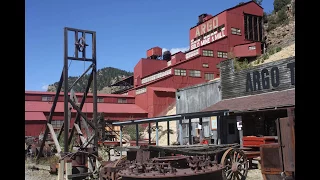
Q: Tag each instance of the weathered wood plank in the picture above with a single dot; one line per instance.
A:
(234, 84)
(54, 137)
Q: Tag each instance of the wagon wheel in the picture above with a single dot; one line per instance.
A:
(236, 164)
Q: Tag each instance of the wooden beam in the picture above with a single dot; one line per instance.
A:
(54, 137)
(80, 133)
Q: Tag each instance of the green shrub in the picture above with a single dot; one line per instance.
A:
(240, 65)
(282, 16)
(271, 51)
(265, 56)
(131, 131)
(272, 23)
(265, 17)
(258, 61)
(279, 4)
(278, 49)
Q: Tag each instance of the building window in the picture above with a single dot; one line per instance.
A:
(205, 65)
(252, 47)
(207, 53)
(194, 73)
(56, 124)
(208, 76)
(46, 98)
(253, 27)
(222, 54)
(100, 100)
(235, 31)
(122, 100)
(180, 72)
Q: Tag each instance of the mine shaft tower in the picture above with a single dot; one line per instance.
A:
(80, 47)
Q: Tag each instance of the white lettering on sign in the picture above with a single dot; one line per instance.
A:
(252, 47)
(141, 90)
(192, 53)
(206, 27)
(208, 39)
(156, 76)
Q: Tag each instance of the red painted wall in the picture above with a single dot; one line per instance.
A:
(235, 18)
(142, 100)
(243, 50)
(180, 56)
(34, 128)
(146, 67)
(177, 82)
(222, 19)
(33, 97)
(161, 101)
(113, 116)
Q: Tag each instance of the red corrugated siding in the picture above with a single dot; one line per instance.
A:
(34, 129)
(38, 97)
(146, 67)
(150, 101)
(161, 101)
(116, 116)
(235, 18)
(132, 92)
(142, 101)
(222, 19)
(87, 108)
(34, 116)
(220, 45)
(243, 50)
(178, 58)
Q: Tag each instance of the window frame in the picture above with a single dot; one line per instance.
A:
(193, 73)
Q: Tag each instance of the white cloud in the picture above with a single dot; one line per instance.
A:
(44, 87)
(175, 50)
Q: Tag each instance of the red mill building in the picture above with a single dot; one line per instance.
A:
(235, 32)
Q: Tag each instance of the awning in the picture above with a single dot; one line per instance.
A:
(162, 89)
(41, 106)
(173, 117)
(265, 101)
(34, 116)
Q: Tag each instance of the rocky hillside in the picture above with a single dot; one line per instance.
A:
(279, 31)
(105, 77)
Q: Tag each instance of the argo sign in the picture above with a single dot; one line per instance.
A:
(273, 76)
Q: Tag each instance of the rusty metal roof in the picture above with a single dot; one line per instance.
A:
(257, 102)
(34, 116)
(40, 106)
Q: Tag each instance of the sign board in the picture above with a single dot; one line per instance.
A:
(214, 36)
(214, 124)
(239, 123)
(273, 76)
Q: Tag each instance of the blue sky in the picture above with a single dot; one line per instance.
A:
(125, 31)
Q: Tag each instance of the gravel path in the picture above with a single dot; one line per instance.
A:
(254, 174)
(31, 174)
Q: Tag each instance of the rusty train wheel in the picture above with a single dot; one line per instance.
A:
(236, 164)
(105, 175)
